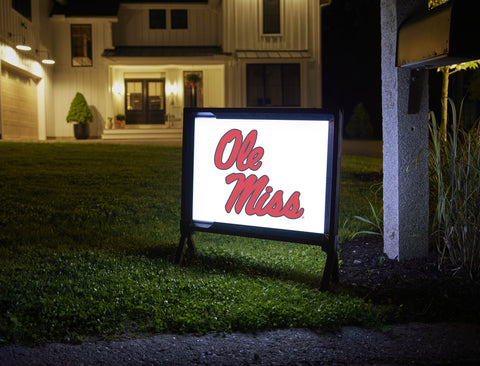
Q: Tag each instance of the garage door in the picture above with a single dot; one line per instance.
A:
(19, 118)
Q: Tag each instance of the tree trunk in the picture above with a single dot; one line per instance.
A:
(444, 98)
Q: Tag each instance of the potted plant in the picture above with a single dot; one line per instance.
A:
(81, 115)
(120, 120)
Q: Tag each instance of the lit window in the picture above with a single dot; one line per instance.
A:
(81, 45)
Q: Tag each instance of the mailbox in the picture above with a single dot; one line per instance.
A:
(446, 35)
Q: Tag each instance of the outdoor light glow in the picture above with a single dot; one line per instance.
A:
(118, 88)
(11, 56)
(172, 88)
(37, 69)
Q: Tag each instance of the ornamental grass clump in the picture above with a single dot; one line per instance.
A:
(455, 186)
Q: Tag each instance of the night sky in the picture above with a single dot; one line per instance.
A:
(351, 58)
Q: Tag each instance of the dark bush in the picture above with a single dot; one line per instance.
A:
(359, 125)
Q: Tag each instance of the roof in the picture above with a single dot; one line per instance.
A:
(160, 51)
(273, 54)
(93, 8)
(85, 8)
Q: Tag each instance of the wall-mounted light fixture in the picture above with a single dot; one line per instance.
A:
(172, 88)
(118, 89)
(45, 57)
(21, 43)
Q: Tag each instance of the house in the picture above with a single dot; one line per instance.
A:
(147, 60)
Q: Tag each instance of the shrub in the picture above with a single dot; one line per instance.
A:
(455, 165)
(359, 125)
(79, 110)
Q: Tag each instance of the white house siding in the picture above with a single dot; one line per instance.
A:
(36, 33)
(299, 42)
(91, 81)
(133, 27)
(243, 26)
(214, 87)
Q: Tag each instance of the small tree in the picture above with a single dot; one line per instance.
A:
(446, 72)
(359, 125)
(79, 110)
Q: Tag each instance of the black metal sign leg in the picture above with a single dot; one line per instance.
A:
(185, 241)
(331, 271)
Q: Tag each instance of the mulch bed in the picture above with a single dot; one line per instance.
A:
(425, 292)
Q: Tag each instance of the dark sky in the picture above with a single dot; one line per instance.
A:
(351, 58)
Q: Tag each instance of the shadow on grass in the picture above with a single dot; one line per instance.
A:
(225, 263)
(221, 262)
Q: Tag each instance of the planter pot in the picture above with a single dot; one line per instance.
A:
(81, 131)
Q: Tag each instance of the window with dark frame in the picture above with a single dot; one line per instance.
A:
(24, 7)
(179, 18)
(271, 17)
(81, 43)
(158, 19)
(273, 85)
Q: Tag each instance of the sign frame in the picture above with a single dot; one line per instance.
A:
(328, 239)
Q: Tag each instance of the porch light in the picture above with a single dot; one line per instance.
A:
(118, 89)
(172, 88)
(47, 60)
(22, 44)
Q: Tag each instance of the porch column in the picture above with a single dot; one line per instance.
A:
(405, 138)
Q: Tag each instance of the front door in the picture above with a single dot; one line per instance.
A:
(145, 101)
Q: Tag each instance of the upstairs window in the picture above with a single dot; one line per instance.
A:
(24, 7)
(158, 19)
(179, 19)
(271, 17)
(81, 41)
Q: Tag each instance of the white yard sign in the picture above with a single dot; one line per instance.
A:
(269, 173)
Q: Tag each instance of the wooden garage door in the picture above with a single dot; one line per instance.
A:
(19, 105)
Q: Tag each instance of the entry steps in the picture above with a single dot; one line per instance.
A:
(140, 132)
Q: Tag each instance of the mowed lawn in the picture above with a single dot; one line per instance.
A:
(88, 234)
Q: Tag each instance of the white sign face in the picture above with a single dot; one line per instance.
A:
(264, 173)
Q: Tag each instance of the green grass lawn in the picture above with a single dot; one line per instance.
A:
(88, 234)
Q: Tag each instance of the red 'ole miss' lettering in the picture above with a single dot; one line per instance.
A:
(252, 192)
(249, 191)
(243, 153)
